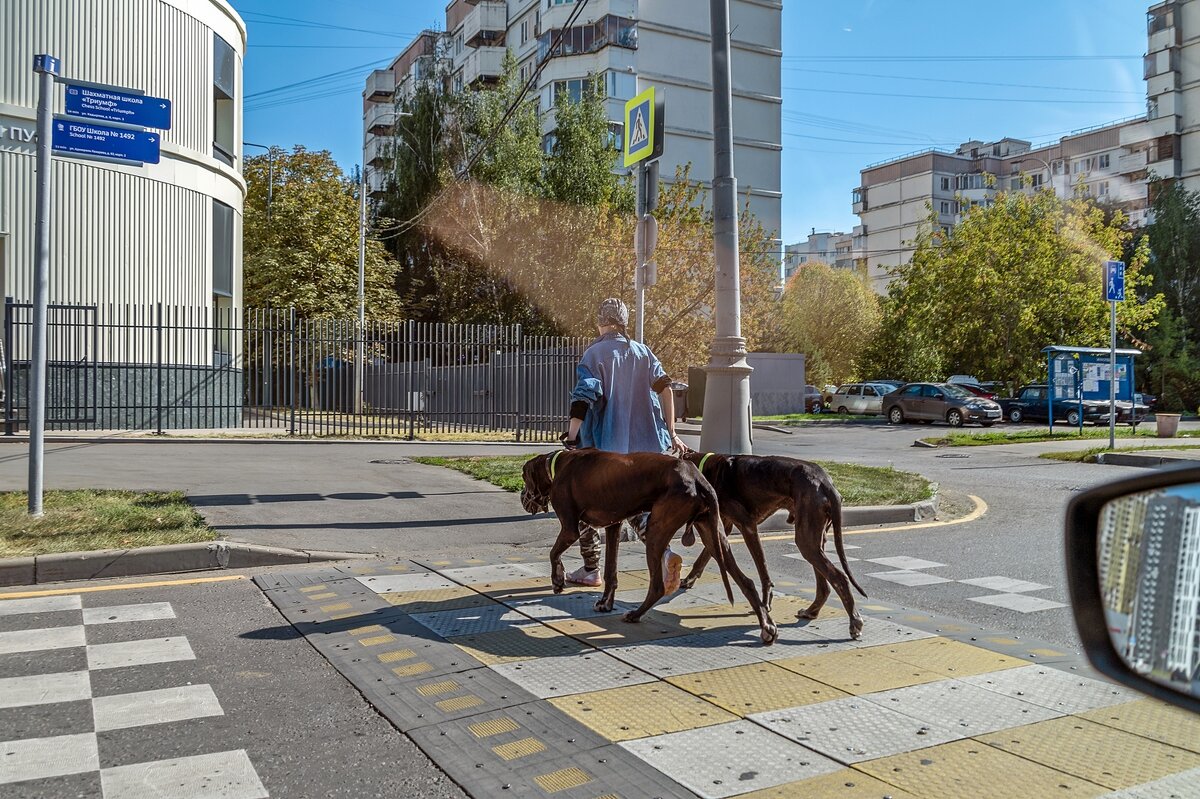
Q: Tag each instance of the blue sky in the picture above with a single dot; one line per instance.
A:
(864, 80)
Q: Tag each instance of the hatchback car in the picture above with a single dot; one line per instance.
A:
(935, 402)
(865, 398)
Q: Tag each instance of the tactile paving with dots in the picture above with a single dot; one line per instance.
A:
(970, 768)
(950, 703)
(500, 572)
(640, 711)
(845, 783)
(436, 599)
(571, 674)
(563, 606)
(417, 703)
(858, 671)
(688, 654)
(951, 658)
(729, 759)
(472, 620)
(405, 581)
(755, 688)
(604, 631)
(1094, 752)
(1052, 688)
(1152, 719)
(523, 642)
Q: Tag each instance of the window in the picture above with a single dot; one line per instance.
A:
(945, 209)
(1104, 161)
(224, 101)
(911, 391)
(869, 391)
(553, 3)
(222, 249)
(859, 197)
(1037, 180)
(1014, 184)
(1058, 167)
(524, 31)
(608, 30)
(458, 45)
(620, 85)
(945, 184)
(1102, 188)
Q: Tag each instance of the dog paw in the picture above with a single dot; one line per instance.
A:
(808, 613)
(558, 587)
(856, 629)
(603, 607)
(686, 585)
(633, 617)
(770, 633)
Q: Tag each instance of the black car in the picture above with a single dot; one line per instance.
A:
(814, 401)
(1030, 405)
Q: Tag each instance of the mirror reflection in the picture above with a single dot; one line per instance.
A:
(1149, 552)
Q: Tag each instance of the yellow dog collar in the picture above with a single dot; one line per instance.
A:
(703, 460)
(553, 460)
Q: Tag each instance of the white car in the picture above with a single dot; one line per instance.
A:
(864, 398)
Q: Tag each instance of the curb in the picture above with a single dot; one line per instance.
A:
(172, 558)
(868, 515)
(1144, 461)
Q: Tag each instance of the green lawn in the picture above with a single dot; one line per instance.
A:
(75, 521)
(1089, 455)
(792, 418)
(965, 439)
(859, 485)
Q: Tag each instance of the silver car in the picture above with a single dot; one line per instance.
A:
(865, 398)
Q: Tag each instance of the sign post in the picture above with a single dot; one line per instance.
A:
(645, 122)
(46, 67)
(1114, 292)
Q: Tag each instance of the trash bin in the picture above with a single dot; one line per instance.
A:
(680, 392)
(1166, 424)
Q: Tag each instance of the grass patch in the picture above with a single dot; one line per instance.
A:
(793, 418)
(962, 439)
(859, 485)
(1089, 455)
(77, 521)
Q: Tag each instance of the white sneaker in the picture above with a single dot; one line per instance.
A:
(582, 576)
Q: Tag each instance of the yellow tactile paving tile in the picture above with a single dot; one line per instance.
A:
(563, 780)
(308, 589)
(713, 617)
(972, 769)
(844, 784)
(639, 711)
(433, 600)
(518, 643)
(859, 671)
(322, 596)
(1152, 719)
(614, 631)
(755, 688)
(1094, 752)
(711, 575)
(335, 607)
(527, 588)
(949, 658)
(515, 750)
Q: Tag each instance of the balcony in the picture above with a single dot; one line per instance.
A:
(858, 200)
(379, 119)
(381, 86)
(1133, 192)
(485, 24)
(483, 65)
(376, 153)
(1133, 162)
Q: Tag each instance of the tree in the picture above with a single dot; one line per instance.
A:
(1008, 280)
(1173, 362)
(830, 315)
(305, 255)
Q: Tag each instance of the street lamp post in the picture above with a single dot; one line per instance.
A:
(726, 426)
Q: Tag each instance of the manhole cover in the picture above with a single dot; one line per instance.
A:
(952, 455)
(392, 461)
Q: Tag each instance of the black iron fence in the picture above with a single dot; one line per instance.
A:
(162, 367)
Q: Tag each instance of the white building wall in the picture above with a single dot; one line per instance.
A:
(120, 234)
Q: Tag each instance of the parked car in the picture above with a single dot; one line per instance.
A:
(935, 402)
(1030, 404)
(813, 403)
(865, 398)
(1149, 400)
(827, 394)
(895, 384)
(957, 379)
(979, 391)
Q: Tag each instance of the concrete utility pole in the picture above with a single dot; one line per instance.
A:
(727, 391)
(361, 333)
(47, 68)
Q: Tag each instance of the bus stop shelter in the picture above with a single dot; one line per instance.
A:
(1082, 374)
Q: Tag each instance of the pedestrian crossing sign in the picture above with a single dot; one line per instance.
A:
(642, 128)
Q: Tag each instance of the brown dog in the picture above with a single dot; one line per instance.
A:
(751, 488)
(600, 489)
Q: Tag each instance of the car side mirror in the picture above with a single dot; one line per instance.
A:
(939, 395)
(1133, 569)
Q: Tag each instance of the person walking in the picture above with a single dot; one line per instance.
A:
(622, 402)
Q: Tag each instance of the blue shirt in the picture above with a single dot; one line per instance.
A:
(615, 378)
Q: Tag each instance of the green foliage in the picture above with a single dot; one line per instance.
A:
(1007, 281)
(304, 253)
(830, 315)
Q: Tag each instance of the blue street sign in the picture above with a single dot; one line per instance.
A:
(121, 144)
(114, 105)
(46, 63)
(1114, 281)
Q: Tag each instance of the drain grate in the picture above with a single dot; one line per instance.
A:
(392, 461)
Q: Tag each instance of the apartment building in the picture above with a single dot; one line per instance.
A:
(1113, 162)
(631, 44)
(843, 250)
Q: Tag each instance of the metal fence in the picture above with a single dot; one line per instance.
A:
(161, 367)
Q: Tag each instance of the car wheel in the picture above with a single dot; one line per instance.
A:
(842, 410)
(895, 415)
(954, 418)
(1015, 416)
(1073, 418)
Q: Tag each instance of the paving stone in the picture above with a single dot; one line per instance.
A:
(950, 703)
(1052, 688)
(571, 674)
(639, 711)
(755, 688)
(688, 654)
(1152, 719)
(858, 671)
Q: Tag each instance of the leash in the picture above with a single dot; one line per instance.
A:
(707, 455)
(553, 460)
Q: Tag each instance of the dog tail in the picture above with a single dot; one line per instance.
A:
(708, 523)
(835, 520)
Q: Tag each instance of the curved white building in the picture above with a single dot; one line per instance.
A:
(129, 234)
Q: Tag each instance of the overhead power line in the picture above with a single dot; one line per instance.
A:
(963, 82)
(328, 77)
(296, 22)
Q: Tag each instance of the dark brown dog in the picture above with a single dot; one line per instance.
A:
(751, 488)
(600, 489)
